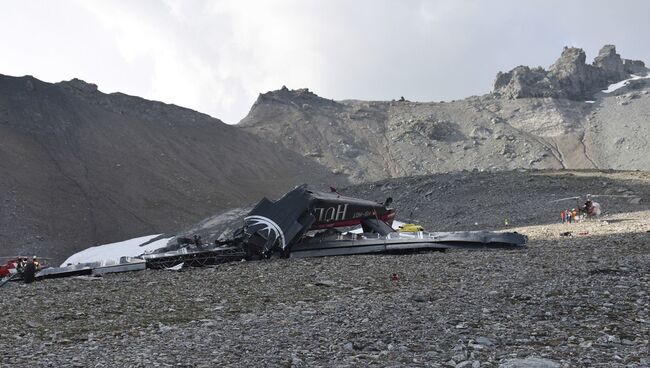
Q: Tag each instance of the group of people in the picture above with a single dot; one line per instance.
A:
(590, 210)
(27, 268)
(569, 216)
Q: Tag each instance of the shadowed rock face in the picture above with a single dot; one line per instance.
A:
(80, 167)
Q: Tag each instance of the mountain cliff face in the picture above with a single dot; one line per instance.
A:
(533, 119)
(80, 167)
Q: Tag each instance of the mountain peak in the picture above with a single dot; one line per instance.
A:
(293, 99)
(285, 94)
(80, 85)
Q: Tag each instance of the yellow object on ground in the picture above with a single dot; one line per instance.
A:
(410, 228)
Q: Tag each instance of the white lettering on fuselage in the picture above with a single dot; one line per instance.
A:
(331, 213)
(362, 214)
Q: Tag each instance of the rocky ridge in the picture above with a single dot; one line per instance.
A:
(569, 77)
(547, 126)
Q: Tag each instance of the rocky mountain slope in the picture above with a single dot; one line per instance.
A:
(533, 118)
(80, 167)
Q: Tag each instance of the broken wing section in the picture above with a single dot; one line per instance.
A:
(275, 225)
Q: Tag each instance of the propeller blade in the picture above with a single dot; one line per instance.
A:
(563, 199)
(613, 195)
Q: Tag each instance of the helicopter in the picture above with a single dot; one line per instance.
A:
(590, 208)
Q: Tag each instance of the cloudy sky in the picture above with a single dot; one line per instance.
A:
(215, 56)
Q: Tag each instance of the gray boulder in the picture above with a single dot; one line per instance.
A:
(610, 64)
(635, 67)
(522, 82)
(574, 77)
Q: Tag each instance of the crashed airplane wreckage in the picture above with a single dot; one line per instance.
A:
(305, 223)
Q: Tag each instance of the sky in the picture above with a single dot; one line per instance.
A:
(216, 56)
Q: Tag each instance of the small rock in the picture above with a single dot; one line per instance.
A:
(420, 298)
(486, 341)
(636, 200)
(460, 356)
(327, 283)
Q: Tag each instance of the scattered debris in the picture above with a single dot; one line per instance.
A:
(88, 277)
(178, 267)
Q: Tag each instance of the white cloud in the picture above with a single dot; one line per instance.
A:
(215, 56)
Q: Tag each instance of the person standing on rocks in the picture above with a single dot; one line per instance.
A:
(574, 213)
(588, 205)
(29, 271)
(197, 241)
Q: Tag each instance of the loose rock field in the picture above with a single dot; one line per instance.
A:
(571, 301)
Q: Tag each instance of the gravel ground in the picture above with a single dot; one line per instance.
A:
(563, 301)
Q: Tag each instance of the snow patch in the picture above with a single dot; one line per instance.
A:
(109, 254)
(623, 83)
(590, 101)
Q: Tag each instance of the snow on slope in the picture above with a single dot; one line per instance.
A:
(109, 254)
(623, 83)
